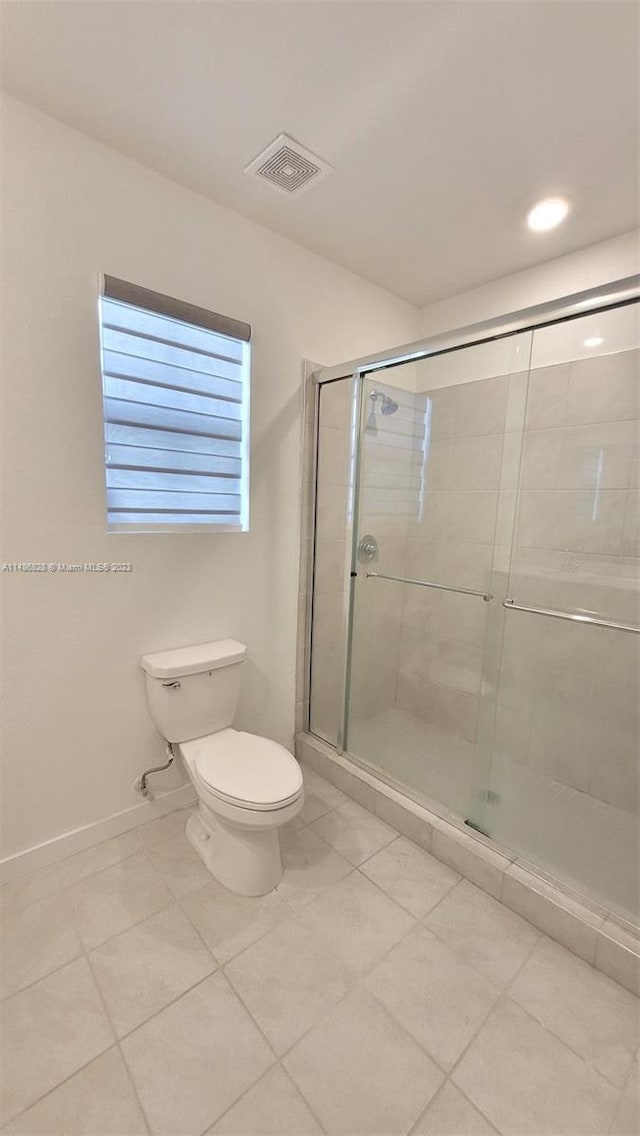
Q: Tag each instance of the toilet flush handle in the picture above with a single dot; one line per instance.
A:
(174, 685)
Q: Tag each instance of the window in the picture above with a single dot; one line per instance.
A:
(175, 381)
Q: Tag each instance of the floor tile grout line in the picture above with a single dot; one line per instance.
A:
(304, 1098)
(117, 1040)
(278, 1065)
(448, 1081)
(42, 977)
(156, 1013)
(504, 1000)
(59, 892)
(403, 1029)
(358, 981)
(460, 954)
(43, 1096)
(395, 836)
(576, 1052)
(503, 997)
(142, 847)
(418, 918)
(112, 1045)
(623, 1093)
(134, 1087)
(72, 921)
(133, 832)
(385, 893)
(507, 990)
(243, 1094)
(587, 1065)
(251, 1015)
(84, 952)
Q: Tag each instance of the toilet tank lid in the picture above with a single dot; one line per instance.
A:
(193, 660)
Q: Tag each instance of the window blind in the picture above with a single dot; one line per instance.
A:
(176, 398)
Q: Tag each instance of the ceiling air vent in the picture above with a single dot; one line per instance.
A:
(288, 166)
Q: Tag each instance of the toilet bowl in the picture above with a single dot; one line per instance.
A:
(248, 786)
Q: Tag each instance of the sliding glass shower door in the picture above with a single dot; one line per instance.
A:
(476, 609)
(563, 785)
(438, 455)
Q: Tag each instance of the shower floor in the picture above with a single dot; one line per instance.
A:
(590, 845)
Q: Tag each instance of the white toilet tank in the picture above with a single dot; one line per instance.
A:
(193, 691)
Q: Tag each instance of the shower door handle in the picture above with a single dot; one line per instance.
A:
(486, 596)
(573, 616)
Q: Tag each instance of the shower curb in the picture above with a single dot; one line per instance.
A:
(609, 943)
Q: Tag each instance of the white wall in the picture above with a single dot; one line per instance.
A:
(598, 264)
(75, 719)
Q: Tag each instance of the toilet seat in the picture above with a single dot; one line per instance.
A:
(244, 770)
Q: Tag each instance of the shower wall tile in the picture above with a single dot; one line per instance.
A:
(329, 566)
(548, 396)
(326, 689)
(437, 463)
(472, 516)
(578, 520)
(476, 461)
(327, 619)
(333, 455)
(565, 735)
(456, 516)
(434, 519)
(505, 520)
(597, 456)
(631, 531)
(481, 407)
(450, 710)
(438, 613)
(566, 580)
(516, 401)
(456, 563)
(331, 512)
(511, 450)
(334, 406)
(620, 658)
(443, 412)
(512, 733)
(440, 661)
(557, 714)
(603, 389)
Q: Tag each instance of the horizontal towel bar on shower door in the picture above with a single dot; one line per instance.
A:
(429, 584)
(575, 617)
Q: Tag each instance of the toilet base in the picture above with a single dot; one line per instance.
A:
(244, 860)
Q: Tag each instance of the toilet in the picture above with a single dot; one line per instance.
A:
(247, 786)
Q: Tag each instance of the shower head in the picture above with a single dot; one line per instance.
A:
(388, 405)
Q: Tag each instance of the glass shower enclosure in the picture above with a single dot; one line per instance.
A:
(474, 633)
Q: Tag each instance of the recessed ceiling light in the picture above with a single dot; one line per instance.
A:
(593, 341)
(547, 214)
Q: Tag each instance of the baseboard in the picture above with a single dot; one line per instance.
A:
(51, 851)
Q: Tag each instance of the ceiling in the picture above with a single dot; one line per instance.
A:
(444, 122)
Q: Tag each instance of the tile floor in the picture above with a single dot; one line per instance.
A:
(374, 993)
